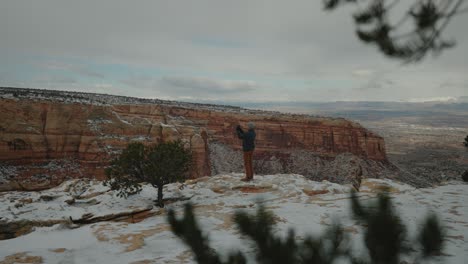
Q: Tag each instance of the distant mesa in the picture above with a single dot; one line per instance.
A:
(48, 136)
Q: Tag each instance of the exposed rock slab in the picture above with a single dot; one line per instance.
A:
(22, 212)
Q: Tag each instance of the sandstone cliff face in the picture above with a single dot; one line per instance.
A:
(44, 141)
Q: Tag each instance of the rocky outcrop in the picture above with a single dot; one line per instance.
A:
(14, 229)
(48, 136)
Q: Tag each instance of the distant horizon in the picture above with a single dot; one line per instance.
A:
(215, 101)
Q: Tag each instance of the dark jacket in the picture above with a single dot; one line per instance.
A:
(248, 138)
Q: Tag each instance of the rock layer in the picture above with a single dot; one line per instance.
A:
(48, 136)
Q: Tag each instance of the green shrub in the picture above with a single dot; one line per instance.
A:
(158, 165)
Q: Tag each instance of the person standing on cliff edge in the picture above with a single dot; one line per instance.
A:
(248, 146)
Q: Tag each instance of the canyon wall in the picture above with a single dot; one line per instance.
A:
(47, 138)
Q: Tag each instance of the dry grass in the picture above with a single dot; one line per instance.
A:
(134, 241)
(58, 250)
(22, 257)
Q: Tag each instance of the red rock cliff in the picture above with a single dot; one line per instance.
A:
(42, 142)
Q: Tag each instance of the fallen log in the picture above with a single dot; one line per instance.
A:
(89, 218)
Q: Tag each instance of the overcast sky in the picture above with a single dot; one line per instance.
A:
(242, 50)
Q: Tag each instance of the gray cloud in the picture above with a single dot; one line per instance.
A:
(55, 65)
(259, 41)
(207, 85)
(176, 87)
(61, 80)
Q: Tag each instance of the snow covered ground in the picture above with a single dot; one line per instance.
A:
(297, 202)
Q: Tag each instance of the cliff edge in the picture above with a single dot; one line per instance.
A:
(49, 136)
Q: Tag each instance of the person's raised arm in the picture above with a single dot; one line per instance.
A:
(240, 132)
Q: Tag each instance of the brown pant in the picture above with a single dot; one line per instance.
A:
(248, 164)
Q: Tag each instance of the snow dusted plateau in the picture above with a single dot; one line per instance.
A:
(297, 202)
